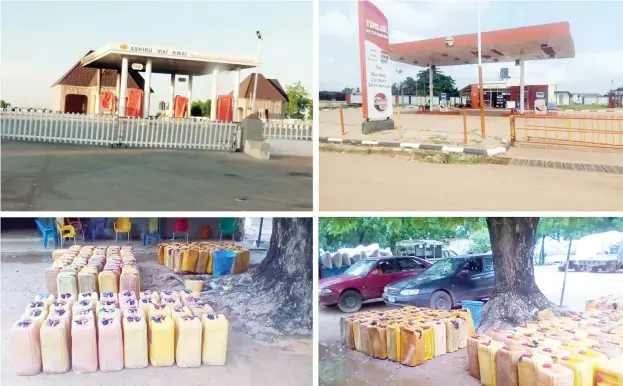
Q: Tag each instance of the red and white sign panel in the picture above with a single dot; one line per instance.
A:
(376, 86)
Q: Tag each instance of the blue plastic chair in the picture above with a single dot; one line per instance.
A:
(99, 226)
(152, 235)
(47, 231)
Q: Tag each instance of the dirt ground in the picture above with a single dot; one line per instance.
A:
(420, 128)
(285, 361)
(364, 182)
(448, 129)
(61, 177)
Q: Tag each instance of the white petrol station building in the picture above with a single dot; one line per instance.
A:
(150, 60)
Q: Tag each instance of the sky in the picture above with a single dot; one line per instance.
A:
(596, 30)
(42, 40)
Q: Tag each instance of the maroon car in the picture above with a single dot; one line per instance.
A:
(366, 279)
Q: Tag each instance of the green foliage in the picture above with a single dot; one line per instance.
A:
(4, 104)
(337, 232)
(201, 109)
(350, 90)
(577, 227)
(441, 84)
(481, 242)
(299, 102)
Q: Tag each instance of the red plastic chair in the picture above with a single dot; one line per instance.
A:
(180, 225)
(77, 224)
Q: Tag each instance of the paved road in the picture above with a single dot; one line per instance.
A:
(59, 177)
(340, 366)
(384, 182)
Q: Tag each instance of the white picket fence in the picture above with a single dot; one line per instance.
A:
(288, 129)
(110, 130)
(179, 133)
(42, 126)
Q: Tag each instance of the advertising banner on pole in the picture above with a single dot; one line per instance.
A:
(376, 85)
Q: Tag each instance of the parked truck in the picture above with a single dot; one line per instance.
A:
(601, 252)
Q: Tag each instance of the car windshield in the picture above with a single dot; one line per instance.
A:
(444, 267)
(360, 268)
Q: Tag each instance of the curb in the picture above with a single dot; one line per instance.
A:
(419, 146)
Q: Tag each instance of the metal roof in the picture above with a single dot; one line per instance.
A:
(545, 41)
(166, 60)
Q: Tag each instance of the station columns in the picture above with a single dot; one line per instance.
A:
(124, 86)
(430, 86)
(521, 87)
(147, 89)
(190, 95)
(172, 100)
(214, 94)
(235, 116)
(98, 95)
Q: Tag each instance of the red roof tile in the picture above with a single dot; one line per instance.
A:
(80, 76)
(267, 89)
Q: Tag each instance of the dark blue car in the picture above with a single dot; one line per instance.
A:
(445, 284)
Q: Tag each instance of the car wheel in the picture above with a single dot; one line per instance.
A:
(440, 300)
(350, 301)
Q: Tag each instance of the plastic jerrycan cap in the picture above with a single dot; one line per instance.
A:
(52, 322)
(24, 322)
(107, 321)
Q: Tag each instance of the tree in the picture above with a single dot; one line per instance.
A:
(299, 102)
(335, 233)
(348, 90)
(276, 296)
(201, 109)
(481, 243)
(441, 84)
(4, 104)
(196, 109)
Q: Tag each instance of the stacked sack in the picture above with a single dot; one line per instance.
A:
(198, 257)
(408, 335)
(577, 349)
(609, 302)
(93, 269)
(345, 257)
(116, 330)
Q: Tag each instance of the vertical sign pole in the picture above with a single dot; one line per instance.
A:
(480, 87)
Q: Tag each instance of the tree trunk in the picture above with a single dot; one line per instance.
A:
(276, 296)
(515, 294)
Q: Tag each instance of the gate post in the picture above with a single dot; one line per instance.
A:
(253, 143)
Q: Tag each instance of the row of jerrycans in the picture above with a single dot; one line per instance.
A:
(52, 335)
(198, 257)
(507, 358)
(410, 341)
(116, 271)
